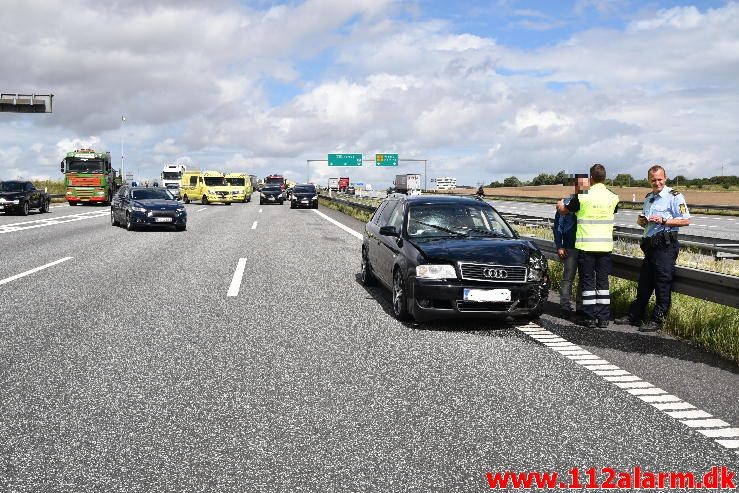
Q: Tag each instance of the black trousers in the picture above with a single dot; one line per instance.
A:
(657, 271)
(594, 269)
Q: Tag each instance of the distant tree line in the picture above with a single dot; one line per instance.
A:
(621, 180)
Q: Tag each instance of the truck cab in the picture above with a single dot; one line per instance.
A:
(171, 178)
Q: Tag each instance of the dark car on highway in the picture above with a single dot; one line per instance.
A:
(22, 196)
(139, 207)
(304, 195)
(272, 194)
(452, 257)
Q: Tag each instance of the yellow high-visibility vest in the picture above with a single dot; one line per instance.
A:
(595, 219)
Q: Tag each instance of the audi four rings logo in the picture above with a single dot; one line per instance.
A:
(495, 273)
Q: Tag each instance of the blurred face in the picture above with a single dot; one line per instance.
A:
(657, 180)
(582, 183)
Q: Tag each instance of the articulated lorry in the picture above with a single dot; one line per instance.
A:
(89, 177)
(171, 178)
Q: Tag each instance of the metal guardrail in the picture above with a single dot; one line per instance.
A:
(720, 248)
(710, 286)
(629, 203)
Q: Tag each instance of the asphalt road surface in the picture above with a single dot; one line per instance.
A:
(244, 355)
(700, 224)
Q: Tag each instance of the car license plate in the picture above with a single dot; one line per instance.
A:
(271, 198)
(163, 219)
(305, 201)
(487, 295)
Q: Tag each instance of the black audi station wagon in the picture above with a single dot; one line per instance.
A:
(451, 257)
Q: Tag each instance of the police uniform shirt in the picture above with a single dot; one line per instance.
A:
(668, 204)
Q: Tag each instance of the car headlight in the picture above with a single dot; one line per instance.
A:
(315, 197)
(537, 266)
(101, 193)
(180, 209)
(137, 209)
(433, 271)
(261, 194)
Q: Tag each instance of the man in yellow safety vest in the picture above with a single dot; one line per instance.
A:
(595, 207)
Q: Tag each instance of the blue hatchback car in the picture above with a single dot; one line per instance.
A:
(139, 206)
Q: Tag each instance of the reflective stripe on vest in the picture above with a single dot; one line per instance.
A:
(595, 219)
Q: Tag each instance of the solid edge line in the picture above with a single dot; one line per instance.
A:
(337, 223)
(233, 289)
(32, 271)
(670, 405)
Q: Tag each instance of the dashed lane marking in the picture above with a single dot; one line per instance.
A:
(33, 271)
(202, 209)
(254, 225)
(698, 420)
(233, 289)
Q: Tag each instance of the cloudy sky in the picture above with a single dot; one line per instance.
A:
(481, 89)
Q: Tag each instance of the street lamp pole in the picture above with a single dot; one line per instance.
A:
(123, 174)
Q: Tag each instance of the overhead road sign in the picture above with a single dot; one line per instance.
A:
(345, 160)
(26, 103)
(386, 159)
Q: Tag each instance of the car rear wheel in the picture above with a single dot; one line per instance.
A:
(113, 220)
(204, 200)
(368, 279)
(44, 206)
(186, 199)
(400, 300)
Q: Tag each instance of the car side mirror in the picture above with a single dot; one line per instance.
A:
(62, 166)
(389, 231)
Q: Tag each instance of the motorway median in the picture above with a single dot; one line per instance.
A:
(712, 326)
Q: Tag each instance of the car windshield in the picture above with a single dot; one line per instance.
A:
(235, 182)
(171, 175)
(11, 186)
(455, 220)
(271, 189)
(214, 181)
(151, 193)
(305, 189)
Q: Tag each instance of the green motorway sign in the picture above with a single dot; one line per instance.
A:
(345, 160)
(386, 159)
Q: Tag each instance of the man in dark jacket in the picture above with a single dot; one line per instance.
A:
(564, 229)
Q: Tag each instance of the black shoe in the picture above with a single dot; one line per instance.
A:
(603, 324)
(650, 326)
(590, 323)
(625, 321)
(566, 313)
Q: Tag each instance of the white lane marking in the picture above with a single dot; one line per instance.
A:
(51, 221)
(254, 225)
(337, 223)
(32, 271)
(233, 289)
(260, 211)
(201, 209)
(671, 405)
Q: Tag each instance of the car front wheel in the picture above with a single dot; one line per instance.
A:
(24, 208)
(113, 220)
(400, 300)
(129, 224)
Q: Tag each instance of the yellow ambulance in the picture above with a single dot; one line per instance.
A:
(205, 186)
(240, 186)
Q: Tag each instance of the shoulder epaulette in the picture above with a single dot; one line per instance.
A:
(674, 192)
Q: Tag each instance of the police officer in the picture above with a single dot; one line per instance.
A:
(595, 208)
(664, 211)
